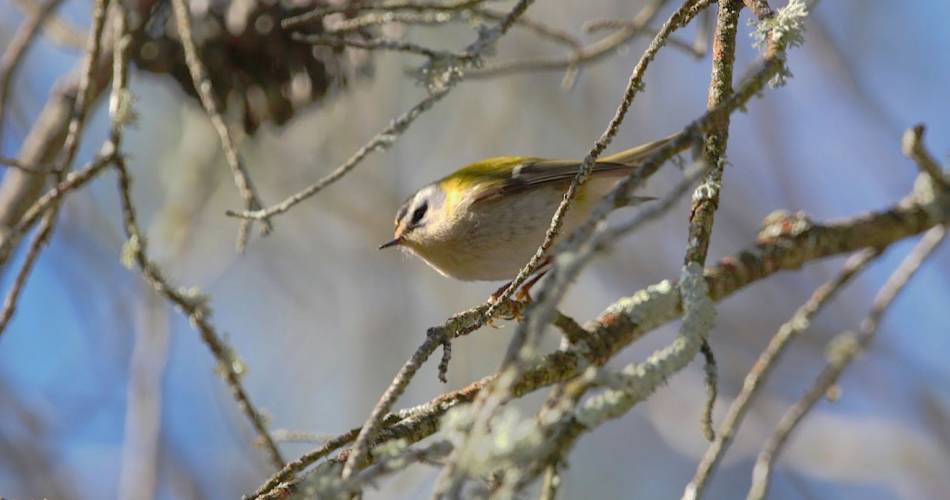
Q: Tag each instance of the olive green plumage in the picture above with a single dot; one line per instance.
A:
(485, 220)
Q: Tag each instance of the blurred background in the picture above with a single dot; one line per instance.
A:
(105, 391)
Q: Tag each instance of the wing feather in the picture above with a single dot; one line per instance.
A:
(531, 173)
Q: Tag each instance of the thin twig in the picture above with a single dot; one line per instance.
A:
(76, 122)
(584, 55)
(390, 17)
(375, 44)
(387, 6)
(382, 140)
(199, 77)
(434, 339)
(33, 169)
(551, 482)
(400, 124)
(442, 17)
(292, 436)
(711, 376)
(71, 182)
(56, 29)
(913, 147)
(629, 24)
(764, 365)
(574, 333)
(842, 351)
(195, 307)
(17, 48)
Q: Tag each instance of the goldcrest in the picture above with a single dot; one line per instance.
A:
(484, 221)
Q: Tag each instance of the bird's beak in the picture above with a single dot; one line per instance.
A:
(391, 243)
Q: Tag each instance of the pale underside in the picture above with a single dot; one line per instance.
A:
(496, 237)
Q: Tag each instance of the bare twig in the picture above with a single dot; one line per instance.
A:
(199, 76)
(386, 6)
(388, 17)
(913, 146)
(58, 30)
(584, 55)
(33, 169)
(573, 332)
(381, 140)
(434, 339)
(551, 483)
(295, 436)
(385, 138)
(17, 48)
(376, 44)
(72, 181)
(70, 146)
(441, 17)
(195, 307)
(43, 146)
(842, 351)
(619, 24)
(711, 373)
(764, 365)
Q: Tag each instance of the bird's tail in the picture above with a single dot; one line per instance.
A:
(635, 155)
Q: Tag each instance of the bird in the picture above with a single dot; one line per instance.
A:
(484, 221)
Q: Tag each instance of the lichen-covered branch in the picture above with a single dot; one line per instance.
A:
(764, 365)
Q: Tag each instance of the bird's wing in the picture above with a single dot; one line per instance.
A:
(533, 173)
(530, 173)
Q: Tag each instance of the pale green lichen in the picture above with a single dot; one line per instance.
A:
(842, 348)
(648, 308)
(785, 30)
(930, 197)
(231, 363)
(122, 107)
(390, 449)
(195, 298)
(511, 440)
(637, 381)
(130, 250)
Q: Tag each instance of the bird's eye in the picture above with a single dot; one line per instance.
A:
(419, 213)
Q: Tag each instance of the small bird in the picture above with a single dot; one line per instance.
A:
(484, 221)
